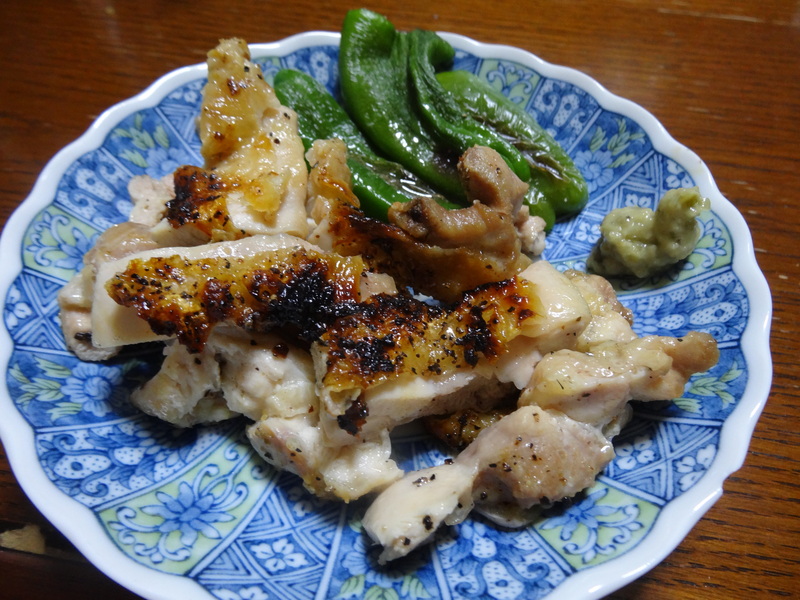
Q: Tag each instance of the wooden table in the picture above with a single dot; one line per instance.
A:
(722, 76)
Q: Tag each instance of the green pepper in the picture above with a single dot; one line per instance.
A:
(554, 177)
(376, 89)
(441, 111)
(319, 115)
(377, 182)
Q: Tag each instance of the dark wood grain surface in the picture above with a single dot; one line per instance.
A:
(723, 77)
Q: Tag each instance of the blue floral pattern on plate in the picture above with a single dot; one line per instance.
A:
(198, 503)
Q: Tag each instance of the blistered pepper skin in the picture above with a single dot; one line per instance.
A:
(377, 93)
(319, 115)
(554, 177)
(378, 183)
(441, 112)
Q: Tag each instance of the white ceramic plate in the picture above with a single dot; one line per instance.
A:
(194, 514)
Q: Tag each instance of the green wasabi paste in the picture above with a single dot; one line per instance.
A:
(640, 242)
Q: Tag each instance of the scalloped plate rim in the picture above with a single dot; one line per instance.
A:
(73, 519)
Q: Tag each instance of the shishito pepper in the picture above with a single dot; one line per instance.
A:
(319, 115)
(554, 178)
(377, 92)
(441, 112)
(377, 182)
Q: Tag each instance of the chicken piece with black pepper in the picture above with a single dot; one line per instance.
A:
(558, 439)
(524, 458)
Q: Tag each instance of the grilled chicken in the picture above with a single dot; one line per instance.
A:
(75, 298)
(554, 445)
(256, 282)
(250, 140)
(253, 180)
(487, 343)
(198, 211)
(371, 378)
(437, 252)
(526, 457)
(255, 375)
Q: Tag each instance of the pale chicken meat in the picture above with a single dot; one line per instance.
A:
(255, 375)
(611, 320)
(185, 391)
(76, 297)
(408, 512)
(610, 365)
(149, 197)
(344, 472)
(595, 387)
(529, 456)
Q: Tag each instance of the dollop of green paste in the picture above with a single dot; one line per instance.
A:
(640, 242)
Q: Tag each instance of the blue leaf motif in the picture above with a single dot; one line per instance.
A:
(585, 515)
(192, 511)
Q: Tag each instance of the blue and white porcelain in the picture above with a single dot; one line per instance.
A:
(195, 514)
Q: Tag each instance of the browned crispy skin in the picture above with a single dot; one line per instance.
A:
(487, 225)
(292, 286)
(200, 202)
(387, 336)
(459, 429)
(433, 250)
(428, 269)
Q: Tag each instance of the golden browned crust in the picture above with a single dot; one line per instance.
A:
(200, 202)
(285, 287)
(392, 335)
(460, 428)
